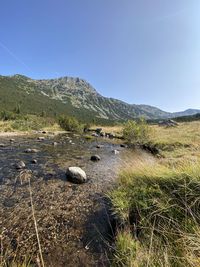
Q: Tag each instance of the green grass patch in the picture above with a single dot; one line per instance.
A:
(28, 123)
(161, 207)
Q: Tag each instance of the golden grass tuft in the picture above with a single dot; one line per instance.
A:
(178, 142)
(159, 206)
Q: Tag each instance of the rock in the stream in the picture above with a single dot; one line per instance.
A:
(55, 144)
(123, 145)
(76, 175)
(95, 135)
(2, 145)
(28, 150)
(31, 150)
(111, 135)
(102, 134)
(41, 138)
(99, 146)
(12, 140)
(20, 165)
(95, 158)
(115, 151)
(34, 161)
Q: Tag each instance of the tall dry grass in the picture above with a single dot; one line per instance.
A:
(159, 210)
(174, 143)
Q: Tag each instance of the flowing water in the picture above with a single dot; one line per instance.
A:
(72, 219)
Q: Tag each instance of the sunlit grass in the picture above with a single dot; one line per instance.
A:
(29, 123)
(178, 142)
(110, 129)
(159, 206)
(185, 133)
(173, 143)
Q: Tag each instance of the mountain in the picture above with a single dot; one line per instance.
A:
(195, 117)
(188, 112)
(73, 96)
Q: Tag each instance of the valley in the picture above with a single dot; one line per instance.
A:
(52, 217)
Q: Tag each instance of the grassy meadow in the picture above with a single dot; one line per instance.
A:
(178, 143)
(29, 123)
(156, 202)
(174, 143)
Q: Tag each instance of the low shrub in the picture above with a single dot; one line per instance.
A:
(136, 132)
(7, 115)
(70, 124)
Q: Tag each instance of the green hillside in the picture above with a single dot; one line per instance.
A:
(70, 96)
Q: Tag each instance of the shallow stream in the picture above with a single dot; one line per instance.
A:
(72, 219)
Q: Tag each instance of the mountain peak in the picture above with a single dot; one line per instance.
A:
(65, 84)
(72, 95)
(20, 76)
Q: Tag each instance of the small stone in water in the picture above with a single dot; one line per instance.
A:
(99, 146)
(95, 158)
(76, 175)
(123, 145)
(95, 135)
(2, 145)
(31, 150)
(20, 165)
(41, 138)
(34, 161)
(55, 143)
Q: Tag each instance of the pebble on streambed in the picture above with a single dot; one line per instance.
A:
(54, 143)
(31, 150)
(20, 165)
(99, 146)
(2, 145)
(76, 175)
(41, 138)
(123, 145)
(95, 158)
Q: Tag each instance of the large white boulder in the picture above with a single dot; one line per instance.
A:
(76, 175)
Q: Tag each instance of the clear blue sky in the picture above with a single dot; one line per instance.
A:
(140, 51)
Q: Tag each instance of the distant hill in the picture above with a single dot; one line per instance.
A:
(188, 112)
(195, 117)
(72, 96)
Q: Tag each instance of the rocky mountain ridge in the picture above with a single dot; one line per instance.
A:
(78, 96)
